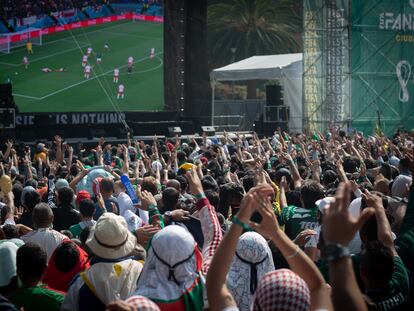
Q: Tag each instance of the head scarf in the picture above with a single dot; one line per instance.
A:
(60, 280)
(142, 304)
(172, 269)
(282, 290)
(399, 187)
(8, 251)
(252, 261)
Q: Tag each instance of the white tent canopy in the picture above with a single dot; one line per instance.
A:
(287, 68)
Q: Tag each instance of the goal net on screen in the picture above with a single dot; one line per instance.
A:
(10, 41)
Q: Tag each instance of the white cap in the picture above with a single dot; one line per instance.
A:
(324, 202)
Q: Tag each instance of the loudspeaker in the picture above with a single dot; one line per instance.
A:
(7, 118)
(209, 130)
(174, 130)
(274, 95)
(6, 91)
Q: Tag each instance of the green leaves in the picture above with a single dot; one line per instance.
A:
(253, 27)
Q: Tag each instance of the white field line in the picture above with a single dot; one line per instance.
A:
(26, 96)
(146, 70)
(9, 64)
(93, 78)
(47, 56)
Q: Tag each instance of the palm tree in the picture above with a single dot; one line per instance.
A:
(242, 28)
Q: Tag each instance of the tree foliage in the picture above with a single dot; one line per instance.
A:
(253, 27)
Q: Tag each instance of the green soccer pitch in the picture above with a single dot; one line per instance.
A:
(68, 91)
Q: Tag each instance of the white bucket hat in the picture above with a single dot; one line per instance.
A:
(110, 238)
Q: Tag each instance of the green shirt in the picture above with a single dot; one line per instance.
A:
(38, 298)
(75, 230)
(396, 296)
(404, 244)
(296, 219)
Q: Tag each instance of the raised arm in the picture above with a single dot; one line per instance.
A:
(339, 228)
(78, 177)
(9, 145)
(59, 153)
(298, 261)
(219, 296)
(384, 232)
(283, 188)
(208, 218)
(297, 180)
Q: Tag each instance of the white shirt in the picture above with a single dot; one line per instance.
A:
(46, 238)
(152, 50)
(89, 50)
(125, 204)
(116, 72)
(87, 68)
(25, 59)
(130, 60)
(85, 58)
(121, 88)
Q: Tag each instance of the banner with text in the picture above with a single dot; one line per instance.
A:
(382, 64)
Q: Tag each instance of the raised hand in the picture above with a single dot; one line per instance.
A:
(339, 226)
(269, 225)
(180, 215)
(194, 182)
(145, 233)
(9, 144)
(101, 201)
(283, 183)
(58, 140)
(303, 237)
(147, 199)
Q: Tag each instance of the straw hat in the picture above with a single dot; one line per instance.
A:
(110, 238)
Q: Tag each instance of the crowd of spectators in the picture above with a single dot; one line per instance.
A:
(25, 8)
(305, 221)
(10, 9)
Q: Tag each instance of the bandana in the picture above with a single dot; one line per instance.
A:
(282, 290)
(142, 304)
(252, 261)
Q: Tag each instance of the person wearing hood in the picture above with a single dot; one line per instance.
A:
(173, 277)
(114, 272)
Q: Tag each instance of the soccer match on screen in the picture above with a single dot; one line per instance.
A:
(206, 155)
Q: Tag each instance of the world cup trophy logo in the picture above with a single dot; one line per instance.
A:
(403, 74)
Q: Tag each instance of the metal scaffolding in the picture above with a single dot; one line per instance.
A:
(326, 74)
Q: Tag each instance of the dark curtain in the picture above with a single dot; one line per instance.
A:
(192, 48)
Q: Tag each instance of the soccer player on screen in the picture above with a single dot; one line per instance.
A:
(29, 47)
(89, 51)
(106, 47)
(26, 62)
(152, 54)
(84, 60)
(99, 58)
(116, 75)
(121, 89)
(87, 71)
(130, 64)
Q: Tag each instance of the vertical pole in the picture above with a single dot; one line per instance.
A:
(212, 102)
